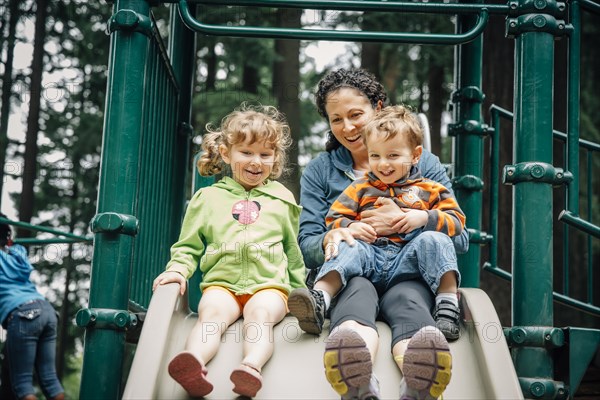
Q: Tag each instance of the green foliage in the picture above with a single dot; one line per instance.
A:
(72, 380)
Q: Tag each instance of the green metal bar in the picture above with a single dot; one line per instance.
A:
(572, 148)
(113, 252)
(586, 144)
(335, 35)
(182, 43)
(580, 223)
(589, 238)
(156, 179)
(45, 229)
(469, 148)
(494, 183)
(590, 6)
(51, 241)
(573, 107)
(532, 201)
(367, 5)
(558, 297)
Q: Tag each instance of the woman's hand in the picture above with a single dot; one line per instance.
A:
(381, 217)
(170, 277)
(332, 240)
(409, 220)
(362, 231)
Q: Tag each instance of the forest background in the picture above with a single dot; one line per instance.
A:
(51, 149)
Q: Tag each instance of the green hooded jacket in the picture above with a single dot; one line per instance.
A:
(245, 240)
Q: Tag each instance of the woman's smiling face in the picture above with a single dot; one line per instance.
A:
(348, 110)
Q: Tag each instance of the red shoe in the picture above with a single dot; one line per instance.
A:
(247, 380)
(190, 373)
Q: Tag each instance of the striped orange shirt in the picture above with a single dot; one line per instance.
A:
(416, 192)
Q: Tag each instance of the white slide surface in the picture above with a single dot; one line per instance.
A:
(482, 366)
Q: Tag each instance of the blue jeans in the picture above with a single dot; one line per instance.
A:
(428, 255)
(31, 344)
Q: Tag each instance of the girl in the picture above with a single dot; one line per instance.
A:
(30, 322)
(243, 230)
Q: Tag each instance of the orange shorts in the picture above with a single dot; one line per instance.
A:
(242, 299)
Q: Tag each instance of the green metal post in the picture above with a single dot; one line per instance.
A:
(117, 204)
(182, 44)
(532, 196)
(468, 145)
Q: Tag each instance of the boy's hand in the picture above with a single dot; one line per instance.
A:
(410, 220)
(362, 231)
(170, 277)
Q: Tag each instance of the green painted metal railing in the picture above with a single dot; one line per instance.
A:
(156, 175)
(142, 192)
(67, 237)
(344, 35)
(468, 134)
(585, 225)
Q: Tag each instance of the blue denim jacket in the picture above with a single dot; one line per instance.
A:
(15, 286)
(325, 178)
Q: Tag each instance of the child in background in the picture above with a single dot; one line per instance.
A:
(243, 230)
(30, 322)
(422, 248)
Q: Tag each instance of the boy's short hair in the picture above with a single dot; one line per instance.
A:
(392, 121)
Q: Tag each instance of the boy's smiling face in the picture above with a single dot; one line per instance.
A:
(390, 159)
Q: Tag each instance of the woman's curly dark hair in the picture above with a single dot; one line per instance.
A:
(5, 232)
(359, 79)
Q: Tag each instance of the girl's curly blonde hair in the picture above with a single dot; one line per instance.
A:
(255, 123)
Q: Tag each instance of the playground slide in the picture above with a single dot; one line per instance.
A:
(482, 366)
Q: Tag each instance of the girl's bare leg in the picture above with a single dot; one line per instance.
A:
(263, 311)
(216, 311)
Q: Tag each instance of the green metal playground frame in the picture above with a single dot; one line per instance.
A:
(147, 131)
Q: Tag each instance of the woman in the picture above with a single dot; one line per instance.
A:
(30, 322)
(347, 99)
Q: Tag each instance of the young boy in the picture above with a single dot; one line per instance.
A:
(422, 247)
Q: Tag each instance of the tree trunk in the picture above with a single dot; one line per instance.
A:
(7, 82)
(64, 321)
(33, 119)
(211, 66)
(286, 83)
(390, 73)
(435, 82)
(370, 52)
(250, 79)
(369, 58)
